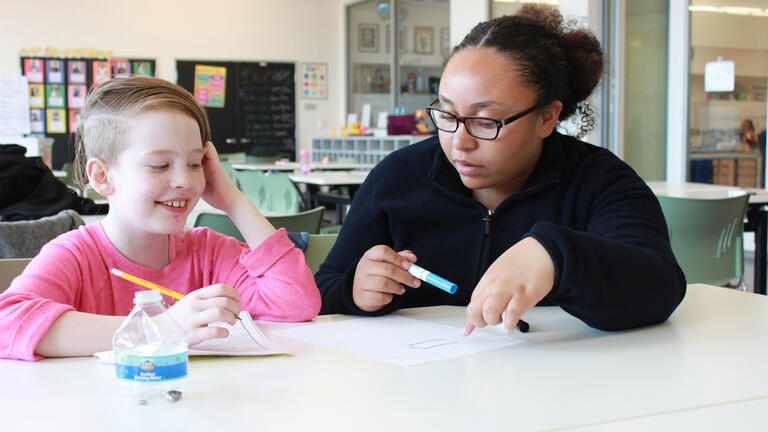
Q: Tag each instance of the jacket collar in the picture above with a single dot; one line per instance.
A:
(548, 171)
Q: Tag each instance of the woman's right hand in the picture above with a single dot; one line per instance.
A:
(381, 274)
(202, 307)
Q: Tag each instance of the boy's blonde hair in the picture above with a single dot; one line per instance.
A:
(106, 116)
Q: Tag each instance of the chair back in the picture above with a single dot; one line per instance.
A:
(24, 239)
(274, 192)
(261, 159)
(220, 223)
(9, 269)
(706, 237)
(69, 170)
(317, 249)
(308, 221)
(228, 168)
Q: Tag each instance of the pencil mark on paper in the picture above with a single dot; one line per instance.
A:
(432, 343)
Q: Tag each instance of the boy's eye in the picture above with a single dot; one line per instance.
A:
(158, 167)
(195, 165)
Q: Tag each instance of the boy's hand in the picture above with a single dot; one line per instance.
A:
(202, 307)
(220, 190)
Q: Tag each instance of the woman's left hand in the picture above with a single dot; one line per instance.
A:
(522, 276)
(220, 191)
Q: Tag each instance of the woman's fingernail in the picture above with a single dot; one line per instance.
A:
(406, 265)
(416, 283)
(465, 332)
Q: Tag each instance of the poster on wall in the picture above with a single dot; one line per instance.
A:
(120, 67)
(100, 72)
(37, 120)
(142, 68)
(54, 95)
(210, 85)
(33, 70)
(314, 80)
(74, 120)
(36, 96)
(55, 72)
(14, 105)
(76, 72)
(57, 121)
(76, 95)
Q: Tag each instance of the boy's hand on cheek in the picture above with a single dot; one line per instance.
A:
(207, 305)
(220, 190)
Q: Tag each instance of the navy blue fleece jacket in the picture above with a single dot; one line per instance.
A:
(600, 223)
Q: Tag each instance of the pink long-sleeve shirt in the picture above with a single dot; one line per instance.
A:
(72, 272)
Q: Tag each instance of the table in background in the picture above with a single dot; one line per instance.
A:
(565, 376)
(757, 215)
(294, 166)
(314, 180)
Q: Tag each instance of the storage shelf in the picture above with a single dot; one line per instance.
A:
(362, 149)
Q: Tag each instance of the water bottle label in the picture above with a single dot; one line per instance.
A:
(151, 368)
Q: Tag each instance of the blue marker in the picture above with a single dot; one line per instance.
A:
(432, 278)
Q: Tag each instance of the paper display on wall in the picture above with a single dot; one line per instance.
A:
(719, 76)
(14, 106)
(210, 85)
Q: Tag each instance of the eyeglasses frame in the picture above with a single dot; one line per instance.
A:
(462, 119)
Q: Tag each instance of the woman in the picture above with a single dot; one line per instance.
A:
(503, 205)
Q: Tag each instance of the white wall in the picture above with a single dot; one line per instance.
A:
(166, 30)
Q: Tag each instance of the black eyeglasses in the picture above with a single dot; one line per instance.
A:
(484, 128)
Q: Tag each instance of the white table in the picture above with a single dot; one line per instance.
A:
(294, 166)
(565, 376)
(757, 215)
(331, 178)
(315, 179)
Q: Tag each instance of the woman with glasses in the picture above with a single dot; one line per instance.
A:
(500, 203)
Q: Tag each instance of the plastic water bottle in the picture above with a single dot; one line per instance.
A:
(150, 352)
(304, 161)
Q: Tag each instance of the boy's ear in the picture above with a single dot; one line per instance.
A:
(98, 176)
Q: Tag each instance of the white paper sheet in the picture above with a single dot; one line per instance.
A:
(14, 106)
(399, 340)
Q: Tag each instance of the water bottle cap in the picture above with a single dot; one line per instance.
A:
(149, 296)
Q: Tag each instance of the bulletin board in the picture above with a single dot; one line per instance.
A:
(57, 90)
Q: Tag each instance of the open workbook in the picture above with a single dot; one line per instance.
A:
(245, 339)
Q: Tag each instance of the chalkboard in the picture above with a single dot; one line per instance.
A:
(259, 116)
(268, 104)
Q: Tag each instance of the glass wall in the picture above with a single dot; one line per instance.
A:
(645, 87)
(423, 39)
(729, 58)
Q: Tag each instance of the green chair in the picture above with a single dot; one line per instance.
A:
(261, 159)
(9, 269)
(706, 237)
(308, 221)
(273, 192)
(69, 169)
(220, 223)
(317, 249)
(228, 168)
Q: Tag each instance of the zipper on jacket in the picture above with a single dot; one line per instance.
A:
(488, 222)
(485, 246)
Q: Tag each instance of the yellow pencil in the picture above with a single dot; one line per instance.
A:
(147, 284)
